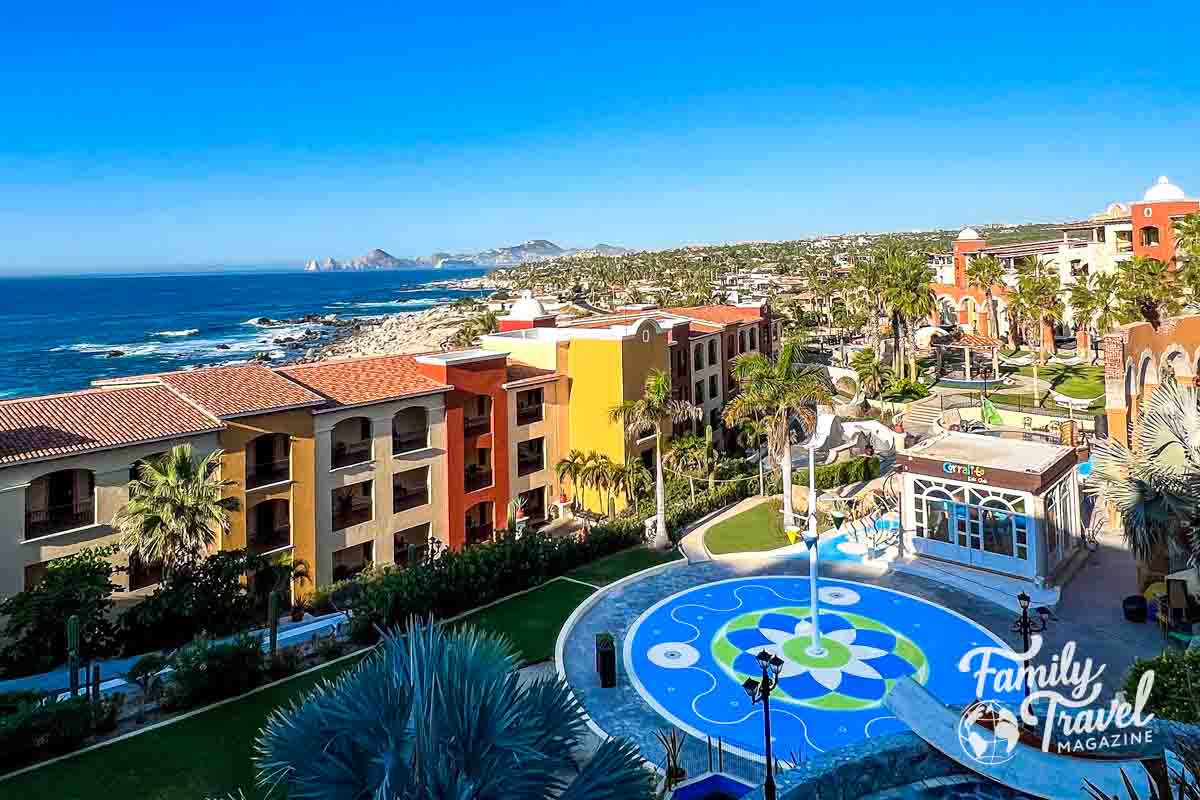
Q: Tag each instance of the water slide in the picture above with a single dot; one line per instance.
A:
(1023, 767)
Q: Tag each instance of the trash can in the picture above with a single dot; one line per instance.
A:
(1135, 608)
(606, 660)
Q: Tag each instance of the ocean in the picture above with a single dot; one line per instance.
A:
(60, 333)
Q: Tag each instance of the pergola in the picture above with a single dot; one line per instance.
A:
(968, 342)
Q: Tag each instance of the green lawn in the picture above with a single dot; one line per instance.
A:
(533, 620)
(202, 757)
(757, 528)
(1026, 401)
(1083, 382)
(605, 570)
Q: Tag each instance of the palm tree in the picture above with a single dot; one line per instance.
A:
(1038, 300)
(176, 509)
(1094, 304)
(689, 455)
(873, 375)
(1156, 485)
(599, 474)
(751, 435)
(441, 712)
(984, 272)
(571, 468)
(1187, 236)
(656, 410)
(773, 390)
(1147, 290)
(910, 298)
(631, 480)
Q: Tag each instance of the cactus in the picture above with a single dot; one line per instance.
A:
(73, 652)
(273, 620)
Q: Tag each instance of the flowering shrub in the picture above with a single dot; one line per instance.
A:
(207, 672)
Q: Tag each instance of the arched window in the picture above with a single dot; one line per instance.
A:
(269, 526)
(936, 505)
(410, 430)
(351, 442)
(997, 527)
(698, 357)
(268, 459)
(1149, 236)
(712, 352)
(60, 501)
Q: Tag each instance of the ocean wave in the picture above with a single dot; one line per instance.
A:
(416, 301)
(187, 332)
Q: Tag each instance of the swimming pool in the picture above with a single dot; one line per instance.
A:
(689, 653)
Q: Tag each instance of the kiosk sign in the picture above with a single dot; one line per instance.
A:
(968, 472)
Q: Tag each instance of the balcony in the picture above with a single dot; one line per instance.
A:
(477, 478)
(407, 442)
(479, 534)
(531, 457)
(410, 490)
(347, 454)
(477, 425)
(267, 472)
(352, 505)
(527, 415)
(56, 518)
(268, 540)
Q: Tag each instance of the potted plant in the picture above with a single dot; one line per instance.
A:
(672, 743)
(298, 609)
(518, 504)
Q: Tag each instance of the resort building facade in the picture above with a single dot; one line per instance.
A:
(352, 462)
(1098, 245)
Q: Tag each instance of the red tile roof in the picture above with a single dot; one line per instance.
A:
(234, 391)
(722, 315)
(518, 372)
(695, 326)
(58, 425)
(357, 381)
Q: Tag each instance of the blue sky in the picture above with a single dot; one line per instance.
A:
(151, 136)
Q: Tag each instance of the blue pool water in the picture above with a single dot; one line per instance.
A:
(689, 654)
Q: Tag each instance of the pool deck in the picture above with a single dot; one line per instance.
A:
(1096, 626)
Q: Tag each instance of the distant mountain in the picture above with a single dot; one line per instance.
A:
(374, 260)
(511, 256)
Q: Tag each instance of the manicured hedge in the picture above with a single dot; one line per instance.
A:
(458, 581)
(831, 476)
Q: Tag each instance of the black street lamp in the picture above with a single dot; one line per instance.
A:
(1027, 626)
(761, 690)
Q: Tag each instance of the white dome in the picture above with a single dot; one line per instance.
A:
(1163, 191)
(527, 307)
(968, 234)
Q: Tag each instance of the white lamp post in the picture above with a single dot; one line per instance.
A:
(811, 539)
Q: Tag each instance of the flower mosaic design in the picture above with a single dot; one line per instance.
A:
(863, 657)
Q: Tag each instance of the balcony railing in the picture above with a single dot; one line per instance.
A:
(408, 441)
(354, 515)
(476, 479)
(261, 473)
(62, 517)
(473, 426)
(406, 497)
(527, 415)
(478, 534)
(346, 454)
(272, 539)
(530, 463)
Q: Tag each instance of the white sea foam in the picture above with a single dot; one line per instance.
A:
(187, 332)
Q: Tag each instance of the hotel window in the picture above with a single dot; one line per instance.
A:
(997, 528)
(699, 398)
(698, 358)
(732, 348)
(712, 387)
(350, 561)
(753, 338)
(410, 546)
(1149, 236)
(712, 351)
(531, 456)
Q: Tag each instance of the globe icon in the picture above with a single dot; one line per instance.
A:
(988, 732)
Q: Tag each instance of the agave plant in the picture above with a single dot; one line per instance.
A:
(1156, 485)
(433, 714)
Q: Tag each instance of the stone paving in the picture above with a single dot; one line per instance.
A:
(1090, 617)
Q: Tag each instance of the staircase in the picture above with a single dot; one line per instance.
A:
(921, 416)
